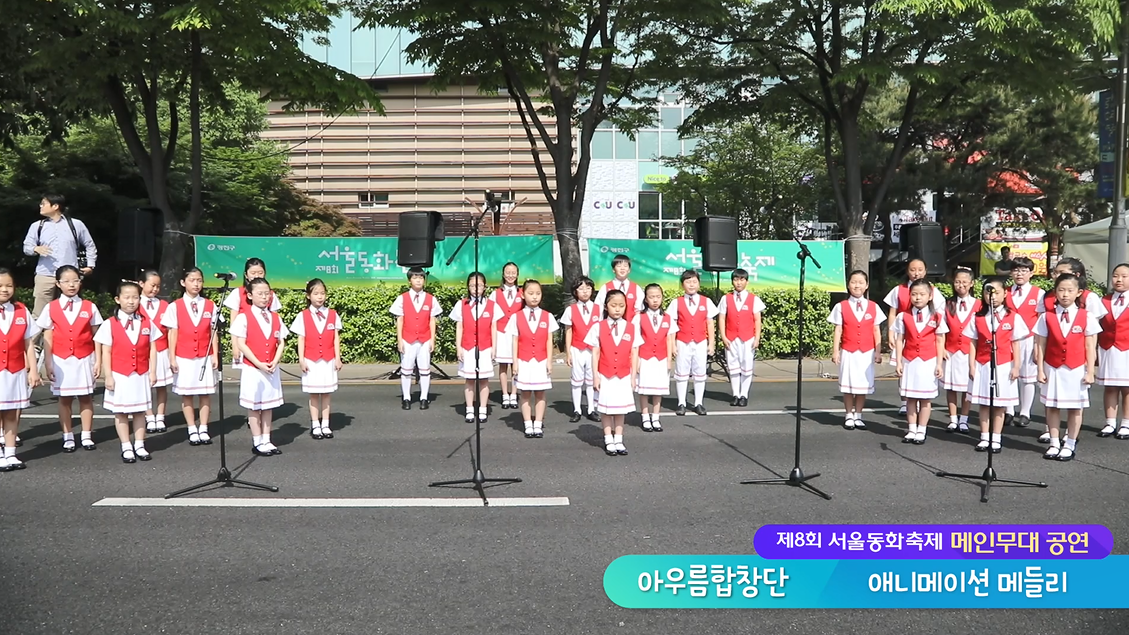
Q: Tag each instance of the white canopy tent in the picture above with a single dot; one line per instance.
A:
(1090, 244)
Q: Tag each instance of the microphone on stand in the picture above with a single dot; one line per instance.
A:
(229, 276)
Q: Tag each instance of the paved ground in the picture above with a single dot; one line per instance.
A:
(70, 567)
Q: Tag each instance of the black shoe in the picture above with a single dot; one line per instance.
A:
(656, 426)
(699, 409)
(593, 416)
(316, 433)
(736, 401)
(72, 448)
(539, 434)
(129, 459)
(1022, 421)
(622, 452)
(276, 451)
(1009, 419)
(680, 410)
(406, 404)
(328, 434)
(574, 418)
(257, 451)
(609, 449)
(144, 457)
(89, 446)
(424, 404)
(997, 449)
(744, 402)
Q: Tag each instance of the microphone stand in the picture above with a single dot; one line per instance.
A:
(478, 479)
(989, 475)
(223, 477)
(796, 477)
(718, 356)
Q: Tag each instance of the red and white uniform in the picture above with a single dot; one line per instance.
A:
(654, 327)
(533, 328)
(320, 328)
(634, 293)
(1064, 360)
(418, 308)
(16, 328)
(898, 299)
(508, 300)
(1092, 302)
(72, 322)
(956, 344)
(129, 338)
(236, 301)
(192, 318)
(858, 317)
(479, 319)
(1113, 341)
(740, 310)
(1002, 328)
(264, 333)
(154, 309)
(580, 316)
(691, 314)
(616, 339)
(1027, 302)
(918, 330)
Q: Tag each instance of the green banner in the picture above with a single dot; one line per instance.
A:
(770, 263)
(361, 262)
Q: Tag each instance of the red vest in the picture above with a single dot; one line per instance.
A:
(417, 324)
(1115, 333)
(903, 299)
(633, 293)
(72, 340)
(13, 347)
(319, 345)
(532, 346)
(192, 339)
(506, 307)
(1004, 330)
(955, 339)
(580, 327)
(262, 346)
(1066, 350)
(1027, 308)
(923, 344)
(615, 359)
(740, 322)
(653, 345)
(127, 358)
(481, 326)
(155, 318)
(691, 328)
(858, 335)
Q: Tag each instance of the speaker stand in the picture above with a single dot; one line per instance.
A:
(718, 358)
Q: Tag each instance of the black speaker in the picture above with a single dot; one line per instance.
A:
(139, 228)
(927, 242)
(418, 233)
(717, 237)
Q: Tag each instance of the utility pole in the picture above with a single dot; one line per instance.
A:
(1118, 233)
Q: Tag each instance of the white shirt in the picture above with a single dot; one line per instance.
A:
(105, 334)
(45, 323)
(1113, 303)
(622, 285)
(1092, 327)
(298, 326)
(1019, 327)
(236, 298)
(589, 317)
(739, 299)
(625, 329)
(239, 325)
(899, 324)
(541, 319)
(655, 317)
(891, 299)
(964, 306)
(9, 315)
(477, 310)
(170, 320)
(692, 307)
(417, 301)
(860, 307)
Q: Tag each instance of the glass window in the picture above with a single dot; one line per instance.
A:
(671, 146)
(672, 231)
(690, 145)
(671, 118)
(648, 145)
(602, 145)
(671, 208)
(649, 205)
(649, 231)
(624, 146)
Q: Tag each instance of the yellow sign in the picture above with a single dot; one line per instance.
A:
(990, 255)
(655, 179)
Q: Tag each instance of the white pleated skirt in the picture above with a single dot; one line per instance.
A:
(14, 391)
(187, 382)
(1064, 388)
(485, 364)
(504, 345)
(131, 394)
(615, 396)
(919, 379)
(259, 390)
(1007, 390)
(1113, 367)
(532, 376)
(1028, 371)
(321, 378)
(956, 372)
(164, 370)
(856, 372)
(654, 378)
(74, 376)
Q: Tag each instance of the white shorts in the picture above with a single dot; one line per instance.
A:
(1113, 367)
(919, 379)
(485, 364)
(691, 361)
(1064, 388)
(856, 372)
(415, 355)
(740, 357)
(131, 394)
(581, 367)
(74, 376)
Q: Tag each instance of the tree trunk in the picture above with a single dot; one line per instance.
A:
(567, 221)
(196, 208)
(174, 247)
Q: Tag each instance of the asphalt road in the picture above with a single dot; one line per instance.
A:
(68, 566)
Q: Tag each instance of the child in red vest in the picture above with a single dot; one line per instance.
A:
(656, 356)
(621, 269)
(855, 346)
(508, 299)
(959, 311)
(259, 334)
(194, 356)
(1026, 300)
(154, 308)
(739, 319)
(416, 311)
(579, 318)
(1065, 351)
(994, 323)
(18, 371)
(693, 314)
(1113, 354)
(615, 352)
(129, 348)
(898, 302)
(71, 360)
(237, 300)
(921, 338)
(531, 331)
(476, 328)
(319, 353)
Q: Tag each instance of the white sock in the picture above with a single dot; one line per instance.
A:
(127, 447)
(591, 393)
(681, 387)
(139, 444)
(699, 390)
(266, 437)
(963, 419)
(87, 434)
(406, 385)
(315, 424)
(746, 384)
(608, 439)
(1125, 423)
(1027, 397)
(952, 418)
(482, 410)
(576, 398)
(913, 428)
(1070, 443)
(257, 440)
(734, 384)
(424, 385)
(203, 428)
(150, 419)
(160, 418)
(537, 425)
(1055, 443)
(618, 438)
(68, 436)
(984, 436)
(193, 430)
(997, 438)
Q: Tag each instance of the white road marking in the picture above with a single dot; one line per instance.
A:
(544, 501)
